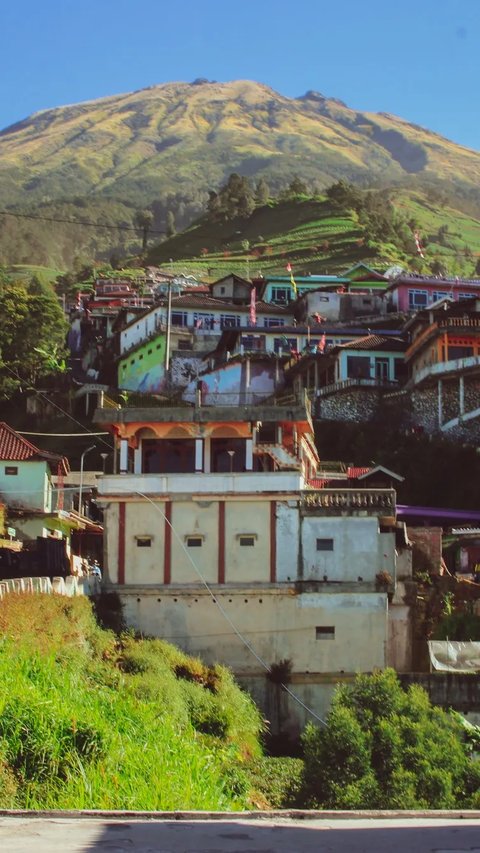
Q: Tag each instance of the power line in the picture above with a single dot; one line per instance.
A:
(80, 222)
(41, 394)
(60, 434)
(234, 628)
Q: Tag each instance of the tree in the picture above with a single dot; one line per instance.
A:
(344, 196)
(32, 329)
(143, 221)
(477, 267)
(170, 224)
(438, 268)
(297, 187)
(386, 748)
(262, 193)
(234, 200)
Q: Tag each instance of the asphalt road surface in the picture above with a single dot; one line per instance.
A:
(276, 835)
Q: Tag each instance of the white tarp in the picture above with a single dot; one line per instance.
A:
(454, 656)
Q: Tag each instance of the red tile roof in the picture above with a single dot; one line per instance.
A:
(353, 473)
(15, 448)
(199, 300)
(370, 342)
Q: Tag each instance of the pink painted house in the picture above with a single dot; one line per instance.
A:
(413, 292)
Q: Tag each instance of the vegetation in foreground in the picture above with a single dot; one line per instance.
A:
(91, 720)
(385, 748)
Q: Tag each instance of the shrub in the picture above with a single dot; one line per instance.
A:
(384, 748)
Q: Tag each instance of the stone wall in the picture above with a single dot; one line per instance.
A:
(355, 404)
(410, 408)
(426, 541)
(449, 690)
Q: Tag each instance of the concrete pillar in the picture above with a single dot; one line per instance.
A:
(123, 455)
(440, 402)
(198, 454)
(247, 374)
(58, 586)
(70, 585)
(137, 460)
(461, 395)
(249, 455)
(207, 459)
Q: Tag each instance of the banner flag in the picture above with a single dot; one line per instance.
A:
(292, 280)
(253, 306)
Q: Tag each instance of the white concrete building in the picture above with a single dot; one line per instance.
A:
(215, 540)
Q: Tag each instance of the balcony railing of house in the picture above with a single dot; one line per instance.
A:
(356, 383)
(351, 499)
(467, 322)
(136, 400)
(447, 323)
(442, 368)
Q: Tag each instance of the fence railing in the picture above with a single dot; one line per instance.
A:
(355, 383)
(350, 499)
(69, 586)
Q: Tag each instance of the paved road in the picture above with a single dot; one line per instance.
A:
(84, 835)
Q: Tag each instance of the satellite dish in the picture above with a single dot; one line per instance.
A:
(394, 272)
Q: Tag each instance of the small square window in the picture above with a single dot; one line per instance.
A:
(325, 632)
(324, 544)
(144, 541)
(247, 541)
(194, 541)
(12, 470)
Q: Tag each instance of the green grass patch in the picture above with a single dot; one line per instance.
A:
(89, 719)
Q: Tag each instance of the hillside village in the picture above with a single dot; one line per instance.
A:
(216, 520)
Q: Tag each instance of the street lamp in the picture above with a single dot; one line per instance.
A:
(81, 476)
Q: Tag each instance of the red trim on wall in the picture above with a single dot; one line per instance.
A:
(221, 542)
(121, 542)
(167, 549)
(273, 541)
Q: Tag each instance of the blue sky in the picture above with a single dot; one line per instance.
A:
(418, 60)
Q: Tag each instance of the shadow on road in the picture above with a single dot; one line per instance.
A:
(285, 837)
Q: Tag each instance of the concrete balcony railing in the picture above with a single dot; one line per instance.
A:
(444, 368)
(374, 501)
(248, 482)
(365, 382)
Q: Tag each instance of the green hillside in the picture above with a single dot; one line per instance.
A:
(163, 148)
(89, 719)
(315, 238)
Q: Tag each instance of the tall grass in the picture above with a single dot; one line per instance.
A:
(90, 720)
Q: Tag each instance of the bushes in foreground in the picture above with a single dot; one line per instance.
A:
(386, 748)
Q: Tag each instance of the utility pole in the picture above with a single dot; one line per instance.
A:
(169, 324)
(80, 490)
